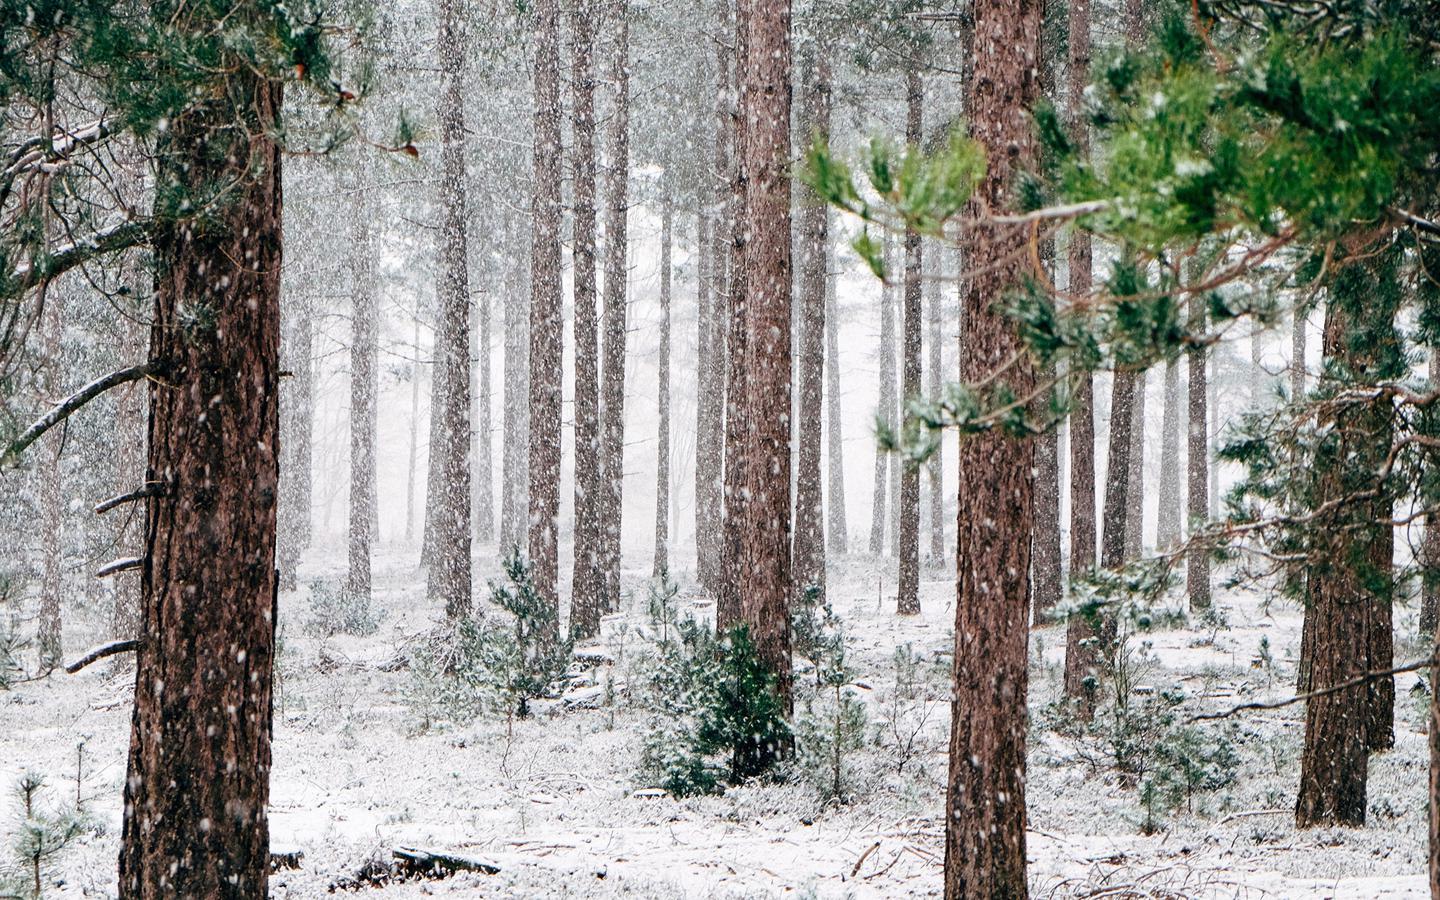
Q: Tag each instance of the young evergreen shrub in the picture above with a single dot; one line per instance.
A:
(718, 719)
(336, 611)
(40, 836)
(471, 666)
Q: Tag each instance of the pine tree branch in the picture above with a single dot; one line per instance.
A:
(98, 653)
(1427, 662)
(64, 408)
(150, 489)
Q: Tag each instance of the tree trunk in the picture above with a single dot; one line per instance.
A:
(1048, 578)
(587, 582)
(482, 468)
(364, 384)
(449, 573)
(662, 438)
(208, 585)
(130, 409)
(1349, 573)
(515, 452)
(886, 404)
(1298, 333)
(1135, 481)
(1434, 804)
(985, 803)
(49, 489)
(727, 607)
(810, 420)
(908, 589)
(839, 535)
(547, 346)
(1167, 526)
(296, 487)
(417, 369)
(1197, 462)
(1430, 549)
(1082, 414)
(763, 72)
(617, 248)
(934, 385)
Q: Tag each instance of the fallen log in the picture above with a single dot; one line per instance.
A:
(439, 863)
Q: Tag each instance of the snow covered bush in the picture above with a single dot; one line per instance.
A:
(336, 611)
(717, 718)
(40, 836)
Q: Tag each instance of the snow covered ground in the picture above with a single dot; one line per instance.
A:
(356, 772)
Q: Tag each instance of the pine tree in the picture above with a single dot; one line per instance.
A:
(661, 567)
(364, 385)
(908, 498)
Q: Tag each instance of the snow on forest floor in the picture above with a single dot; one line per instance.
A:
(356, 772)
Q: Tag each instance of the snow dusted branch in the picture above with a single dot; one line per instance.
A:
(120, 236)
(1416, 665)
(61, 411)
(149, 489)
(115, 567)
(98, 653)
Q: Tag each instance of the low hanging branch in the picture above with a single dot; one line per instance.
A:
(149, 489)
(111, 649)
(62, 411)
(124, 564)
(1415, 666)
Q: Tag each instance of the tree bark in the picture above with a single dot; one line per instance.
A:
(587, 582)
(617, 248)
(364, 384)
(482, 474)
(662, 438)
(417, 369)
(1135, 480)
(985, 803)
(1434, 733)
(1197, 462)
(1167, 526)
(208, 586)
(1430, 549)
(130, 410)
(49, 487)
(449, 573)
(908, 583)
(886, 413)
(515, 453)
(810, 418)
(727, 607)
(936, 379)
(547, 347)
(1082, 414)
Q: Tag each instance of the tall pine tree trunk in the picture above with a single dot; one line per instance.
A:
(587, 583)
(49, 487)
(364, 384)
(1167, 525)
(886, 405)
(936, 473)
(130, 471)
(662, 390)
(449, 573)
(763, 71)
(1430, 549)
(908, 590)
(1135, 480)
(546, 311)
(298, 417)
(815, 241)
(1197, 461)
(1082, 413)
(197, 783)
(417, 368)
(985, 802)
(727, 607)
(515, 453)
(617, 247)
(838, 531)
(482, 473)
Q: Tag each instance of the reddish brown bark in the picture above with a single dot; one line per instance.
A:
(985, 803)
(197, 785)
(908, 543)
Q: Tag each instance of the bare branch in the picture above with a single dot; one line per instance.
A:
(150, 489)
(116, 566)
(98, 653)
(1332, 689)
(67, 406)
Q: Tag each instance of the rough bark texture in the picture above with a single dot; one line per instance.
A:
(587, 582)
(49, 487)
(985, 803)
(1197, 463)
(908, 546)
(197, 784)
(130, 475)
(1135, 480)
(727, 607)
(298, 417)
(482, 473)
(839, 531)
(417, 369)
(515, 454)
(1047, 563)
(936, 378)
(617, 247)
(1167, 525)
(662, 388)
(1430, 550)
(886, 412)
(763, 72)
(1299, 333)
(1435, 778)
(810, 367)
(449, 573)
(546, 310)
(364, 385)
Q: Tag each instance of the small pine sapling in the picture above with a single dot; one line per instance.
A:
(41, 836)
(540, 654)
(834, 725)
(664, 613)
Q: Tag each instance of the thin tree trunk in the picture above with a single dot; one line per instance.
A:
(617, 247)
(417, 369)
(1430, 550)
(815, 243)
(515, 454)
(297, 486)
(908, 582)
(1167, 526)
(130, 408)
(364, 384)
(1197, 462)
(587, 582)
(886, 413)
(1434, 804)
(727, 607)
(937, 378)
(547, 371)
(1082, 413)
(1298, 334)
(662, 438)
(482, 465)
(1213, 404)
(763, 72)
(50, 490)
(709, 404)
(838, 532)
(449, 573)
(985, 802)
(208, 586)
(1135, 481)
